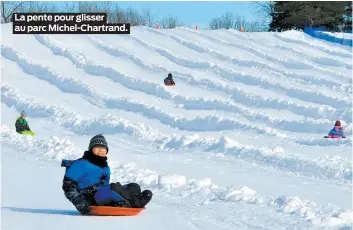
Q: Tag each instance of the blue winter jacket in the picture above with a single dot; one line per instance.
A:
(81, 176)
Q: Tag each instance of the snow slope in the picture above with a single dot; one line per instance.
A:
(236, 144)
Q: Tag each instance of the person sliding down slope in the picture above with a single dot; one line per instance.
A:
(86, 182)
(22, 126)
(169, 80)
(337, 131)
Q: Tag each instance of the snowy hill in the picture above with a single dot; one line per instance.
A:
(236, 144)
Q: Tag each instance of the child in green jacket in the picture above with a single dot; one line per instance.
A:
(22, 125)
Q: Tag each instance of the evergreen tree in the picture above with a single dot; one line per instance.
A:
(279, 16)
(348, 17)
(300, 14)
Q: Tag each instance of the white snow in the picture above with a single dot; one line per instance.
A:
(236, 144)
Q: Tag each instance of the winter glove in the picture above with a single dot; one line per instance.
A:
(82, 205)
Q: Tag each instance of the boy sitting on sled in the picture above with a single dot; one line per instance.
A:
(86, 182)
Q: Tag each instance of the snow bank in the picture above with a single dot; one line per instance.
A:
(171, 180)
(326, 167)
(319, 216)
(244, 193)
(325, 142)
(53, 148)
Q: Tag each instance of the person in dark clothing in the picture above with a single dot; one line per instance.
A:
(86, 182)
(22, 124)
(169, 80)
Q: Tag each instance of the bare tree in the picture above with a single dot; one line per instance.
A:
(231, 21)
(255, 26)
(147, 18)
(228, 20)
(216, 23)
(109, 9)
(70, 7)
(133, 17)
(239, 21)
(170, 22)
(87, 7)
(266, 8)
(39, 7)
(8, 8)
(120, 16)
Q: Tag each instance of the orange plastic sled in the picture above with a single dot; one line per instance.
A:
(114, 211)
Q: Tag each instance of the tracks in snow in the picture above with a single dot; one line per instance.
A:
(210, 123)
(295, 92)
(236, 94)
(330, 168)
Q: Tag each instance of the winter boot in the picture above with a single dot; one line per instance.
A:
(141, 200)
(122, 204)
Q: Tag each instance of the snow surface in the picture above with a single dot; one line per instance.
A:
(236, 144)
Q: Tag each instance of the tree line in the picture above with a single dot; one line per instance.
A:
(116, 14)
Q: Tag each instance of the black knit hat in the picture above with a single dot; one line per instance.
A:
(98, 140)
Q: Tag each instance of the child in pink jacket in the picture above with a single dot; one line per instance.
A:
(337, 131)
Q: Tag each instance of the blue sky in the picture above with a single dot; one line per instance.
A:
(199, 13)
(195, 13)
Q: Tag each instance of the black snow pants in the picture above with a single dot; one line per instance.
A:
(130, 192)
